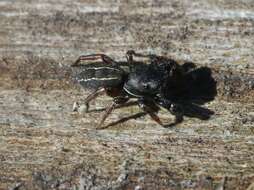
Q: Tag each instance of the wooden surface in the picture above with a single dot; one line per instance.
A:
(44, 145)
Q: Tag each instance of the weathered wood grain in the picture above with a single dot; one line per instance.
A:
(44, 145)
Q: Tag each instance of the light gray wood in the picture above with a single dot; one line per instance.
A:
(44, 145)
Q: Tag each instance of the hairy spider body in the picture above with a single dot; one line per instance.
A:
(161, 83)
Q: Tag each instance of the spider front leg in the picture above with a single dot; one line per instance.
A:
(151, 109)
(177, 111)
(92, 57)
(173, 108)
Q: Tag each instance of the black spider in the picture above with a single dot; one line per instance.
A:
(181, 89)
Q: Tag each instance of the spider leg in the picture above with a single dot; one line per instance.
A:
(178, 112)
(131, 53)
(151, 109)
(92, 96)
(89, 98)
(118, 102)
(92, 57)
(173, 108)
(155, 117)
(109, 109)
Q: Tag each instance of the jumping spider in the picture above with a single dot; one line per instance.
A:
(162, 83)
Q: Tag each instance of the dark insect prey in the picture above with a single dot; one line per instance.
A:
(180, 89)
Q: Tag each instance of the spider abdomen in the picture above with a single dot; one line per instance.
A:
(94, 77)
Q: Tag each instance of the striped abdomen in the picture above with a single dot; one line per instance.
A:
(101, 76)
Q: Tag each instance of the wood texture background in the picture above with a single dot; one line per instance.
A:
(44, 145)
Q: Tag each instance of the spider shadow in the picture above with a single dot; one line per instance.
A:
(122, 120)
(136, 116)
(192, 88)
